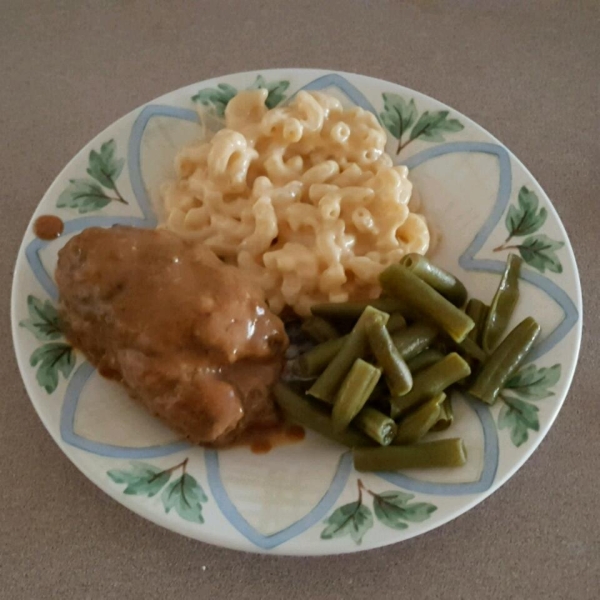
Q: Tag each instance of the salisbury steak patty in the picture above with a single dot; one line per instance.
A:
(188, 336)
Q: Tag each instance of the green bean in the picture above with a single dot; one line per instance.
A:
(441, 453)
(313, 362)
(430, 382)
(414, 339)
(503, 304)
(396, 323)
(305, 412)
(446, 416)
(406, 286)
(445, 283)
(504, 361)
(376, 425)
(478, 311)
(355, 346)
(471, 345)
(424, 359)
(353, 394)
(319, 329)
(353, 310)
(471, 349)
(416, 424)
(396, 372)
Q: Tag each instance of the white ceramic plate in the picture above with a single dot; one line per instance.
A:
(305, 498)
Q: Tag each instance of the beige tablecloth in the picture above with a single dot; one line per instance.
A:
(526, 71)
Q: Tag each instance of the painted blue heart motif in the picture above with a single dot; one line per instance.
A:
(467, 260)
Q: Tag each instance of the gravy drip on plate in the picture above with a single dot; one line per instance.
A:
(48, 227)
(283, 434)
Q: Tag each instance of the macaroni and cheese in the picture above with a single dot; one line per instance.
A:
(303, 197)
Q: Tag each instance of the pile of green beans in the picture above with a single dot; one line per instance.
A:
(381, 388)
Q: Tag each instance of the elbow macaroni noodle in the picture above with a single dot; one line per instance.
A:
(303, 197)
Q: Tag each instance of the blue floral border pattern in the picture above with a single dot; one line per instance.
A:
(467, 261)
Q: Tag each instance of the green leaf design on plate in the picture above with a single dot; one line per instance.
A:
(142, 479)
(431, 126)
(525, 219)
(84, 196)
(534, 383)
(353, 519)
(186, 496)
(539, 251)
(51, 359)
(398, 115)
(104, 167)
(43, 319)
(217, 98)
(519, 417)
(276, 90)
(394, 509)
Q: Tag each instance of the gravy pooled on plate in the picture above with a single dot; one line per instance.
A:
(188, 336)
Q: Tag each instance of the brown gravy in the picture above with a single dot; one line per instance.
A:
(188, 336)
(48, 227)
(280, 435)
(261, 447)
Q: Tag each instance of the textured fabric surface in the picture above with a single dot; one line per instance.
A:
(526, 71)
